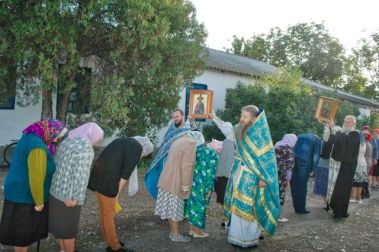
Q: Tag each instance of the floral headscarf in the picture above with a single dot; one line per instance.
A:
(48, 130)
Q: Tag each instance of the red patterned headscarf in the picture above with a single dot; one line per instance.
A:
(48, 130)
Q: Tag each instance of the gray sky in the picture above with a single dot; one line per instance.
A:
(348, 20)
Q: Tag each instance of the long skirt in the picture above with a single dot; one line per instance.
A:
(339, 201)
(334, 168)
(21, 225)
(169, 206)
(282, 178)
(63, 221)
(321, 178)
(243, 233)
(220, 187)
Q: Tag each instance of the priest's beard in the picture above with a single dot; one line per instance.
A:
(177, 125)
(241, 130)
(347, 130)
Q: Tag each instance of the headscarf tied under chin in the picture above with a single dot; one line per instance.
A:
(198, 137)
(288, 139)
(48, 130)
(90, 130)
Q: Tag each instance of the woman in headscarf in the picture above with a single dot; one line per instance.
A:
(307, 154)
(109, 177)
(322, 175)
(364, 161)
(204, 175)
(26, 189)
(68, 188)
(285, 161)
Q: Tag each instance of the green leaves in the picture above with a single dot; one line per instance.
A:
(290, 106)
(308, 46)
(320, 57)
(141, 54)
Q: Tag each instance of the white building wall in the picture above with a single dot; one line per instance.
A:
(14, 121)
(365, 112)
(219, 82)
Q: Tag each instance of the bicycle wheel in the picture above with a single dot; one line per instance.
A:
(8, 153)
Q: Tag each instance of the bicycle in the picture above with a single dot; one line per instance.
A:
(8, 152)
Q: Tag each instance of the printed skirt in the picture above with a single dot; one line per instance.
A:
(169, 206)
(321, 181)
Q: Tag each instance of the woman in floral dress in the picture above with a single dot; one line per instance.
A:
(285, 161)
(202, 186)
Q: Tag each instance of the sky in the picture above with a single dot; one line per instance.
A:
(348, 20)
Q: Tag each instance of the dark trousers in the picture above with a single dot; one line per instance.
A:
(299, 187)
(365, 191)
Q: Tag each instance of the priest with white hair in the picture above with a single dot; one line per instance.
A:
(342, 146)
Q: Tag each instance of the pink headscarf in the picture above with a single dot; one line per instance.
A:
(91, 131)
(216, 145)
(288, 139)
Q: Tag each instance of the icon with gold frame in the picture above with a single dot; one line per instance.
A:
(326, 109)
(200, 103)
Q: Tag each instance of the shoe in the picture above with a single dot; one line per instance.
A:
(120, 250)
(337, 216)
(196, 235)
(345, 216)
(180, 238)
(303, 212)
(109, 249)
(360, 202)
(282, 220)
(327, 207)
(353, 201)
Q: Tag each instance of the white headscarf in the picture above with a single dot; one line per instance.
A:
(147, 145)
(198, 137)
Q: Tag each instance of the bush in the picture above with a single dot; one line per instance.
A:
(289, 105)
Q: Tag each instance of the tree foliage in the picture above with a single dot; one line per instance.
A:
(320, 56)
(308, 46)
(363, 68)
(141, 54)
(289, 105)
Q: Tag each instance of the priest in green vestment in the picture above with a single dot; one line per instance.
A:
(251, 203)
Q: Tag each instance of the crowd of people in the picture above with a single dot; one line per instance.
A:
(52, 167)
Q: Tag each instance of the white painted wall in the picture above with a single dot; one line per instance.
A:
(365, 112)
(14, 121)
(219, 82)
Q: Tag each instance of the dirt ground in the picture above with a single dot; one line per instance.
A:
(142, 231)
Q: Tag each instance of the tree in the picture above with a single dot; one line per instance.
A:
(290, 105)
(308, 46)
(141, 53)
(364, 73)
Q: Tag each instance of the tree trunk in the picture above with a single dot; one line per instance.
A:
(47, 104)
(62, 108)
